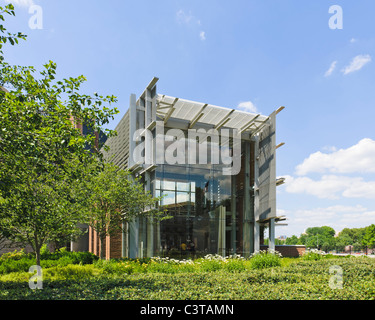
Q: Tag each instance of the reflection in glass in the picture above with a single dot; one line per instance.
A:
(200, 199)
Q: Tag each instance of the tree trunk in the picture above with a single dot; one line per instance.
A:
(37, 248)
(37, 253)
(102, 251)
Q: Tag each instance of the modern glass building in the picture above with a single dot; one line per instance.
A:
(214, 167)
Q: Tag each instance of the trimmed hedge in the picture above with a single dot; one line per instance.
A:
(298, 280)
(208, 278)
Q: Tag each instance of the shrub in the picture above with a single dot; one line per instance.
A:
(313, 254)
(187, 267)
(19, 261)
(20, 265)
(15, 277)
(167, 265)
(265, 259)
(301, 280)
(68, 257)
(15, 255)
(210, 263)
(115, 266)
(85, 257)
(75, 272)
(161, 267)
(234, 265)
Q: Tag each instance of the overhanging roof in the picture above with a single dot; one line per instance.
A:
(196, 112)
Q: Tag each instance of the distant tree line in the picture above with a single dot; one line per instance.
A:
(324, 238)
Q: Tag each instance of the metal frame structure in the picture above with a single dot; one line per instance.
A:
(258, 132)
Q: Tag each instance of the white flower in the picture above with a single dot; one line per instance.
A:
(316, 251)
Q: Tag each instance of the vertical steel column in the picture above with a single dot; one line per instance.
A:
(132, 127)
(133, 238)
(256, 196)
(149, 222)
(150, 158)
(124, 240)
(271, 242)
(247, 204)
(233, 212)
(130, 240)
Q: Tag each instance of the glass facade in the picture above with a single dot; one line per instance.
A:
(206, 208)
(211, 212)
(199, 199)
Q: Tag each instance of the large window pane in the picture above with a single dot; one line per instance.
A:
(169, 185)
(199, 199)
(183, 186)
(183, 197)
(168, 198)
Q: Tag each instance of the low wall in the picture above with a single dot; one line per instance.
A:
(8, 246)
(288, 250)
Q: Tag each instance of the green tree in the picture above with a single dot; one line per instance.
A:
(44, 159)
(342, 241)
(116, 199)
(323, 231)
(354, 234)
(293, 240)
(369, 237)
(6, 36)
(319, 237)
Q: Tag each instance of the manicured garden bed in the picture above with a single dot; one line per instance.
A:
(207, 278)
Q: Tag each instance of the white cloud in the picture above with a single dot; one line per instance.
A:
(359, 158)
(360, 189)
(331, 187)
(353, 40)
(329, 148)
(186, 18)
(183, 17)
(331, 69)
(21, 3)
(333, 184)
(357, 63)
(338, 217)
(202, 35)
(358, 218)
(326, 188)
(247, 106)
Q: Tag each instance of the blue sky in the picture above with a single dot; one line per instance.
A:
(252, 54)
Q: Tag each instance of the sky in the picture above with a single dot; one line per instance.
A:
(315, 57)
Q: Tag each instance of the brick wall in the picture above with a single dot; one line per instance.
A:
(288, 250)
(112, 245)
(115, 246)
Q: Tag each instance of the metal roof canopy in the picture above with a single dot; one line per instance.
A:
(192, 112)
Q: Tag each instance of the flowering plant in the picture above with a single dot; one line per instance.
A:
(265, 259)
(313, 254)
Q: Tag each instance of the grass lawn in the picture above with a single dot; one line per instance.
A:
(217, 280)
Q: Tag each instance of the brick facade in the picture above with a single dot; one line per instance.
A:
(288, 250)
(112, 245)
